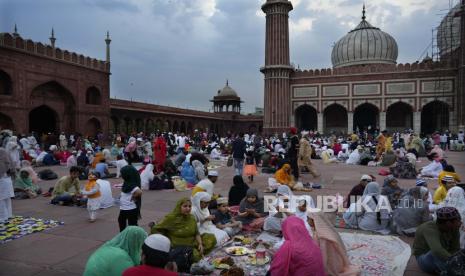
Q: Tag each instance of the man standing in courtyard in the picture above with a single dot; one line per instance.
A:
(293, 151)
(239, 150)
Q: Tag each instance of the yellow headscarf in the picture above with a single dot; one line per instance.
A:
(282, 176)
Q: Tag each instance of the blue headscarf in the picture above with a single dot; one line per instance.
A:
(188, 173)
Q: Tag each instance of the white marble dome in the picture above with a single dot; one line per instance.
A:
(364, 45)
(448, 35)
(227, 91)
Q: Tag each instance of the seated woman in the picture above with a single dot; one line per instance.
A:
(434, 168)
(354, 156)
(332, 247)
(26, 165)
(284, 176)
(181, 228)
(440, 194)
(371, 218)
(204, 219)
(327, 157)
(188, 173)
(24, 188)
(412, 211)
(146, 177)
(251, 210)
(403, 169)
(299, 254)
(215, 153)
(388, 158)
(238, 191)
(274, 220)
(392, 190)
(199, 169)
(118, 254)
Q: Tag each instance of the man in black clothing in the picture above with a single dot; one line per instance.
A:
(293, 151)
(239, 150)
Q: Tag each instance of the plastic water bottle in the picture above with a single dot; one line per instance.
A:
(260, 253)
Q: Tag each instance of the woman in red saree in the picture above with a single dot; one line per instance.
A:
(159, 153)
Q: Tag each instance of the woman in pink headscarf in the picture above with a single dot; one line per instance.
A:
(299, 255)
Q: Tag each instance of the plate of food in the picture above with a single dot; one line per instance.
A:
(223, 262)
(252, 259)
(237, 250)
(243, 239)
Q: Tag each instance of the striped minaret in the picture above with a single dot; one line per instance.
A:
(277, 107)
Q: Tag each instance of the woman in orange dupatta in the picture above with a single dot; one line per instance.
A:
(98, 156)
(332, 248)
(284, 177)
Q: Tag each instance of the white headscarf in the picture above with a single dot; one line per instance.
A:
(146, 176)
(456, 198)
(206, 185)
(199, 213)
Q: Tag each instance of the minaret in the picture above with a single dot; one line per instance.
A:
(15, 31)
(107, 41)
(277, 69)
(461, 72)
(52, 39)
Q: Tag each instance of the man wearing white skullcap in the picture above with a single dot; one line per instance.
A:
(155, 258)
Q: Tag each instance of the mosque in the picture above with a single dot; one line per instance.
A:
(366, 88)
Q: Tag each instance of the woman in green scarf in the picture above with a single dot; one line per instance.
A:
(24, 188)
(117, 254)
(130, 199)
(181, 228)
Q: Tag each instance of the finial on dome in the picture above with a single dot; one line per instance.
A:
(363, 12)
(15, 33)
(227, 82)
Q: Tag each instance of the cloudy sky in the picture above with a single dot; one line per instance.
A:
(180, 52)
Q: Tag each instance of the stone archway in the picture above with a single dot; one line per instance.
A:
(183, 127)
(5, 84)
(93, 127)
(434, 117)
(43, 119)
(149, 126)
(366, 116)
(6, 122)
(335, 119)
(189, 129)
(306, 118)
(115, 125)
(399, 117)
(175, 126)
(60, 100)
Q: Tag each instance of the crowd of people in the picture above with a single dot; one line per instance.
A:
(207, 220)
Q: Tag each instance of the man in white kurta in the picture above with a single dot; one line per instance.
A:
(6, 185)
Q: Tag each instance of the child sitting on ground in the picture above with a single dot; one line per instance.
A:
(223, 219)
(92, 192)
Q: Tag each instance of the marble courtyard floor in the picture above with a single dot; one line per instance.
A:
(64, 250)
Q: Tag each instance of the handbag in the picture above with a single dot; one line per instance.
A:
(230, 161)
(183, 256)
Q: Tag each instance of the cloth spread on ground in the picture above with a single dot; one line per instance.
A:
(377, 255)
(19, 226)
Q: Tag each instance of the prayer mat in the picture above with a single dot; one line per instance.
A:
(20, 226)
(376, 254)
(340, 223)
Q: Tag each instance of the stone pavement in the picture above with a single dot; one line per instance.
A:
(64, 250)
